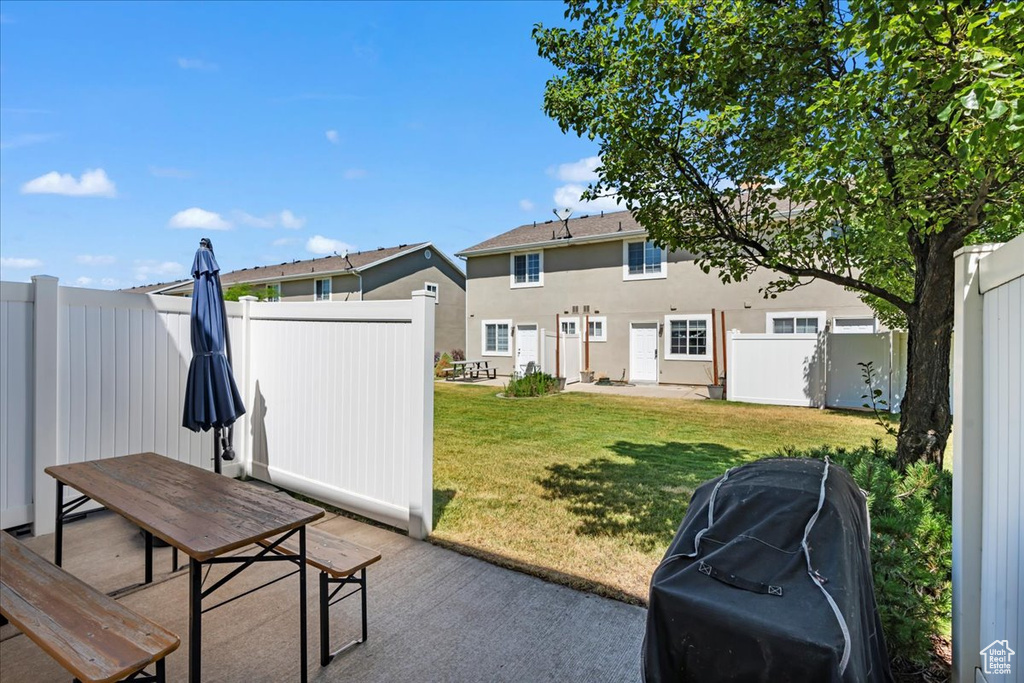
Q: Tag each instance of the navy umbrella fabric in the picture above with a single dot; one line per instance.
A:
(211, 396)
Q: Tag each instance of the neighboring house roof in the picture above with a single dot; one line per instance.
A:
(353, 263)
(552, 233)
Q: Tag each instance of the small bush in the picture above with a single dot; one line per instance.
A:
(441, 361)
(537, 384)
(458, 355)
(911, 546)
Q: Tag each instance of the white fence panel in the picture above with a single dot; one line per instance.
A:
(779, 369)
(845, 381)
(335, 391)
(569, 354)
(988, 472)
(16, 343)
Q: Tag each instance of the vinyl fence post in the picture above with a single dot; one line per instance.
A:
(248, 391)
(421, 427)
(968, 325)
(46, 404)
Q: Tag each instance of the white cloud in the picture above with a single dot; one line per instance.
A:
(166, 172)
(95, 259)
(150, 269)
(26, 140)
(254, 221)
(355, 173)
(93, 183)
(333, 137)
(318, 244)
(197, 64)
(582, 171)
(286, 219)
(568, 196)
(285, 241)
(20, 263)
(198, 218)
(109, 282)
(290, 221)
(84, 281)
(526, 205)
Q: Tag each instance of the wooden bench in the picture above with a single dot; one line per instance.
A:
(338, 561)
(91, 635)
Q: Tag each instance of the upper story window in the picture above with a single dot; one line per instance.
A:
(686, 337)
(643, 260)
(528, 269)
(795, 322)
(274, 292)
(495, 337)
(323, 289)
(433, 289)
(597, 329)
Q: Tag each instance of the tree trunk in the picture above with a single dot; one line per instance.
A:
(925, 416)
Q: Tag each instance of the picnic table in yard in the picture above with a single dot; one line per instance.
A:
(200, 513)
(470, 369)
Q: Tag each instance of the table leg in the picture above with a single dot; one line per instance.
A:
(58, 534)
(303, 671)
(149, 556)
(195, 621)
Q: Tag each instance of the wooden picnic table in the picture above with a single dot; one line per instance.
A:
(202, 514)
(470, 369)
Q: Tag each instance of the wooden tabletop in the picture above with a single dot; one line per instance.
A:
(201, 513)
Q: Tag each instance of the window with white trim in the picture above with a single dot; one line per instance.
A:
(433, 289)
(687, 337)
(323, 289)
(273, 291)
(570, 325)
(860, 325)
(643, 260)
(495, 337)
(597, 328)
(795, 322)
(527, 269)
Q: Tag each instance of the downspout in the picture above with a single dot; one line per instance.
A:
(360, 276)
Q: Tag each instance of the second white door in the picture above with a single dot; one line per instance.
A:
(526, 346)
(643, 352)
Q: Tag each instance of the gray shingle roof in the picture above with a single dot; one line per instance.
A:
(328, 264)
(552, 231)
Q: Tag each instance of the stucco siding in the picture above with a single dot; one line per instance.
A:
(398, 278)
(591, 275)
(297, 290)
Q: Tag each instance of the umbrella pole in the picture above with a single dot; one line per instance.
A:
(216, 450)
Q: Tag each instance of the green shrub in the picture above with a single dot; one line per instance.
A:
(441, 362)
(911, 545)
(537, 384)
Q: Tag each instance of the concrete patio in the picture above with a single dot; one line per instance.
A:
(434, 615)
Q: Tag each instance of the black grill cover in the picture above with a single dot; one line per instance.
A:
(741, 596)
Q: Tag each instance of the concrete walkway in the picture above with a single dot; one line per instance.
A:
(434, 615)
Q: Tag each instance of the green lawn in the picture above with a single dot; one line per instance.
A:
(587, 489)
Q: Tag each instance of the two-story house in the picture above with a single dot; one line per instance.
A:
(644, 312)
(380, 274)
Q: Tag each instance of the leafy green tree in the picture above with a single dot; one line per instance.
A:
(237, 291)
(861, 143)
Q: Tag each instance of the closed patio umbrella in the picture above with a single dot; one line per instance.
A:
(211, 397)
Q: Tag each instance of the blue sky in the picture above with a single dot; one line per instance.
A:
(281, 131)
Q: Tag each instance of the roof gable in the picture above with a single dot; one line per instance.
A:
(552, 233)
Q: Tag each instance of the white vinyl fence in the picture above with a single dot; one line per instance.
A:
(88, 374)
(568, 352)
(815, 370)
(988, 467)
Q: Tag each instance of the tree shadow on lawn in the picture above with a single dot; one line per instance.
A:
(641, 496)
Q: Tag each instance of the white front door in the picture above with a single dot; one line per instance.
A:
(526, 346)
(643, 352)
